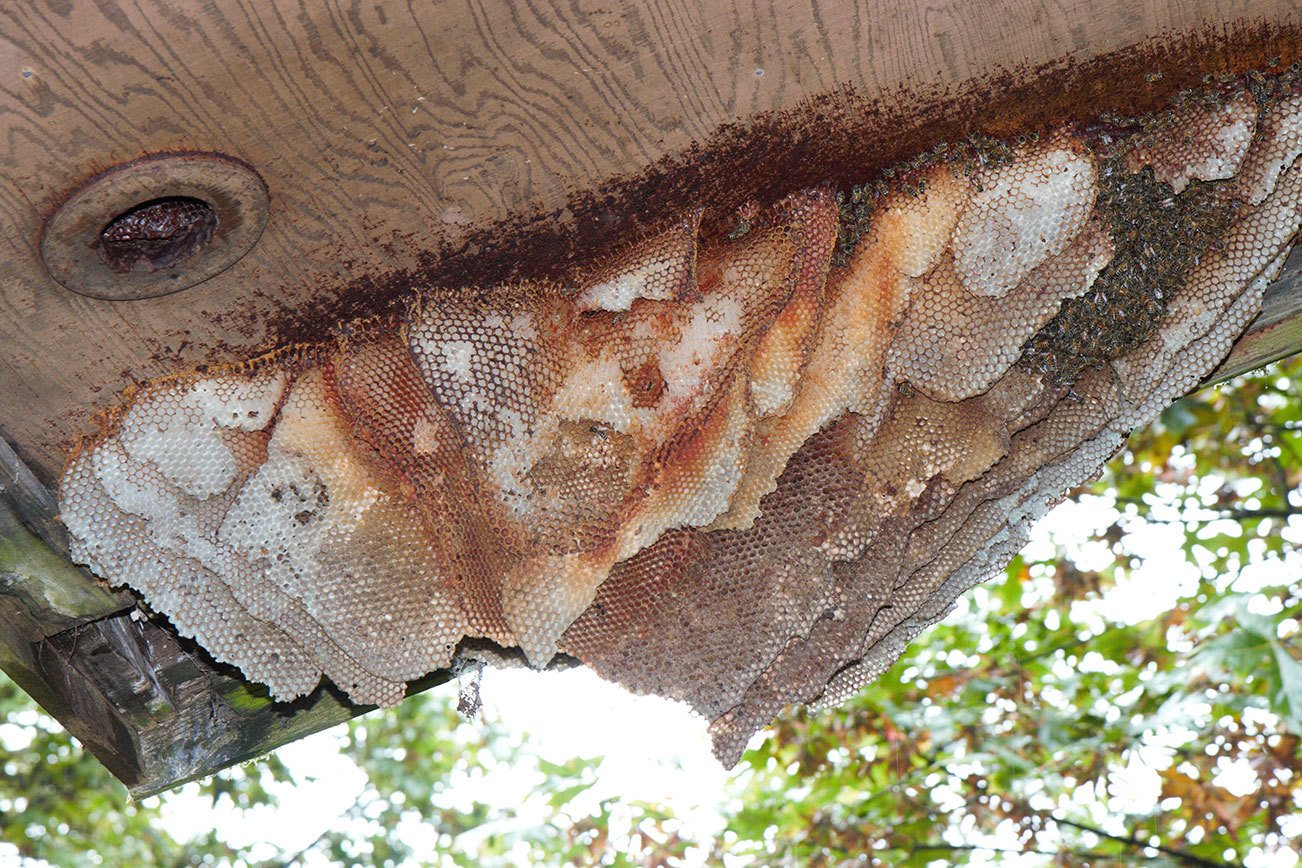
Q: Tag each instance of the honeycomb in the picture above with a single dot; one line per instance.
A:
(741, 471)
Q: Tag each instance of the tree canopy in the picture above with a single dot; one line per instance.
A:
(1129, 690)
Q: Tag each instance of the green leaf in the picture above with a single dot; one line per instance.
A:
(562, 797)
(1290, 688)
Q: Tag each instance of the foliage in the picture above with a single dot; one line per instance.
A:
(421, 758)
(1074, 711)
(57, 803)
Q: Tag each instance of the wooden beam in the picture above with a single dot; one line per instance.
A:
(41, 591)
(37, 575)
(29, 499)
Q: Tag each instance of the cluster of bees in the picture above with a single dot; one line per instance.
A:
(1158, 236)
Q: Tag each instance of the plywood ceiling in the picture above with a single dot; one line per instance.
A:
(386, 131)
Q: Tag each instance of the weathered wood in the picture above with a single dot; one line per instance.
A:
(188, 716)
(389, 131)
(54, 594)
(222, 721)
(30, 499)
(36, 597)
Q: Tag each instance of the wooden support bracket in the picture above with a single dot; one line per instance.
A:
(152, 707)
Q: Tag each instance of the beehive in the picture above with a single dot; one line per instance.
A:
(719, 468)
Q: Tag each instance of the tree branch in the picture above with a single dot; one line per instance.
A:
(1080, 854)
(1222, 515)
(1185, 857)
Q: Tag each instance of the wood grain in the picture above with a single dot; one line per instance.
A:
(387, 131)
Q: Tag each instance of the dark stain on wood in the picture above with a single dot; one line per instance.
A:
(834, 140)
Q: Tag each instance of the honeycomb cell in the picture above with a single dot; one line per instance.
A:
(663, 268)
(1203, 139)
(1022, 212)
